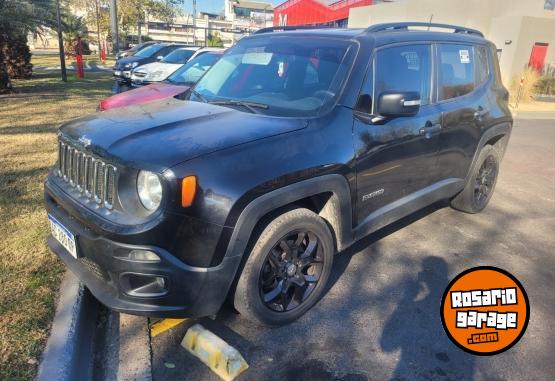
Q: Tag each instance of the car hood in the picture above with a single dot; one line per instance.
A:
(122, 61)
(153, 67)
(149, 93)
(158, 135)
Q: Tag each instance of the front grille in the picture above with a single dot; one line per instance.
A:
(89, 175)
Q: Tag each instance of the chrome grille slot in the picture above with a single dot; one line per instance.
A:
(110, 185)
(61, 147)
(89, 167)
(98, 188)
(92, 177)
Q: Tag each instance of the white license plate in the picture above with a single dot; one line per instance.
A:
(63, 235)
(117, 72)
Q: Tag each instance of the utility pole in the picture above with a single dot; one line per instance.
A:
(61, 42)
(98, 29)
(141, 15)
(114, 22)
(194, 22)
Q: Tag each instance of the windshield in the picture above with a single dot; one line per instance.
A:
(149, 51)
(140, 46)
(179, 56)
(289, 77)
(191, 72)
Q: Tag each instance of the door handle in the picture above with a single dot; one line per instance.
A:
(480, 113)
(429, 128)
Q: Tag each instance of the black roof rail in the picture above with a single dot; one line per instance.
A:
(285, 28)
(406, 25)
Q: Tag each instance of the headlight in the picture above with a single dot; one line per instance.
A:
(131, 64)
(149, 189)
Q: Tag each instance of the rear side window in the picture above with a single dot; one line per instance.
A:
(482, 65)
(456, 71)
(404, 68)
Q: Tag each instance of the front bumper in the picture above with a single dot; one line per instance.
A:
(122, 76)
(102, 266)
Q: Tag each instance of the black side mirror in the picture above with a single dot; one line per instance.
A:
(398, 103)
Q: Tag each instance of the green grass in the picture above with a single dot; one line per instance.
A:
(29, 273)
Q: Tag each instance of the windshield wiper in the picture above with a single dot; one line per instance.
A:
(198, 95)
(251, 106)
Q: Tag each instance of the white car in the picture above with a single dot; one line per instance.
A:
(159, 71)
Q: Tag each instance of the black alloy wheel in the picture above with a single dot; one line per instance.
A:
(291, 272)
(484, 181)
(480, 183)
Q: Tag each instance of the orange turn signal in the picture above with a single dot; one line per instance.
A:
(188, 190)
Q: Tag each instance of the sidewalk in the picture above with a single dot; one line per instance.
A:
(533, 114)
(535, 110)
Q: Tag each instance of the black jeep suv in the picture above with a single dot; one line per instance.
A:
(295, 144)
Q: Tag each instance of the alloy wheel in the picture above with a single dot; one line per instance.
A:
(291, 271)
(484, 181)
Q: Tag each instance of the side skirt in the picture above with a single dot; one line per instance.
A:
(407, 205)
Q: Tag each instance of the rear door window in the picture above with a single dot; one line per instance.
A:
(404, 68)
(456, 70)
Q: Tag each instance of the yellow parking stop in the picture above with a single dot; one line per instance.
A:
(163, 325)
(222, 358)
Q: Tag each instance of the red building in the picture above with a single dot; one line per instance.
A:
(316, 12)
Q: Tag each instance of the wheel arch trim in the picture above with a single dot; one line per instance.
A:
(498, 130)
(339, 205)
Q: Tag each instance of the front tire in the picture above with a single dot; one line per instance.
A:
(478, 191)
(287, 269)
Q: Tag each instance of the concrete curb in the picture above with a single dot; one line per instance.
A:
(70, 348)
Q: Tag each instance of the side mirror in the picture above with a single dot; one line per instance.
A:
(160, 58)
(398, 103)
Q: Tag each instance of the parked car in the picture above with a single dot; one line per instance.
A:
(152, 53)
(158, 71)
(177, 83)
(134, 49)
(292, 147)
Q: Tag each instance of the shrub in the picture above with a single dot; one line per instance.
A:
(531, 78)
(546, 84)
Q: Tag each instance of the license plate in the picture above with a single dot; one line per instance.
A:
(63, 235)
(117, 72)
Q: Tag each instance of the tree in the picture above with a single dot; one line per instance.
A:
(130, 12)
(215, 41)
(72, 27)
(17, 18)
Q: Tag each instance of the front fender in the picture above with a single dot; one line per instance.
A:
(337, 211)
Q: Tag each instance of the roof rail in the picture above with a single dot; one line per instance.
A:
(405, 26)
(285, 28)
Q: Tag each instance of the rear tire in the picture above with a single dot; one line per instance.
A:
(287, 269)
(478, 191)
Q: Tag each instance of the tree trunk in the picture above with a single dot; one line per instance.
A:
(5, 84)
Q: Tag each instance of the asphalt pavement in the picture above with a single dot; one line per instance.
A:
(380, 317)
